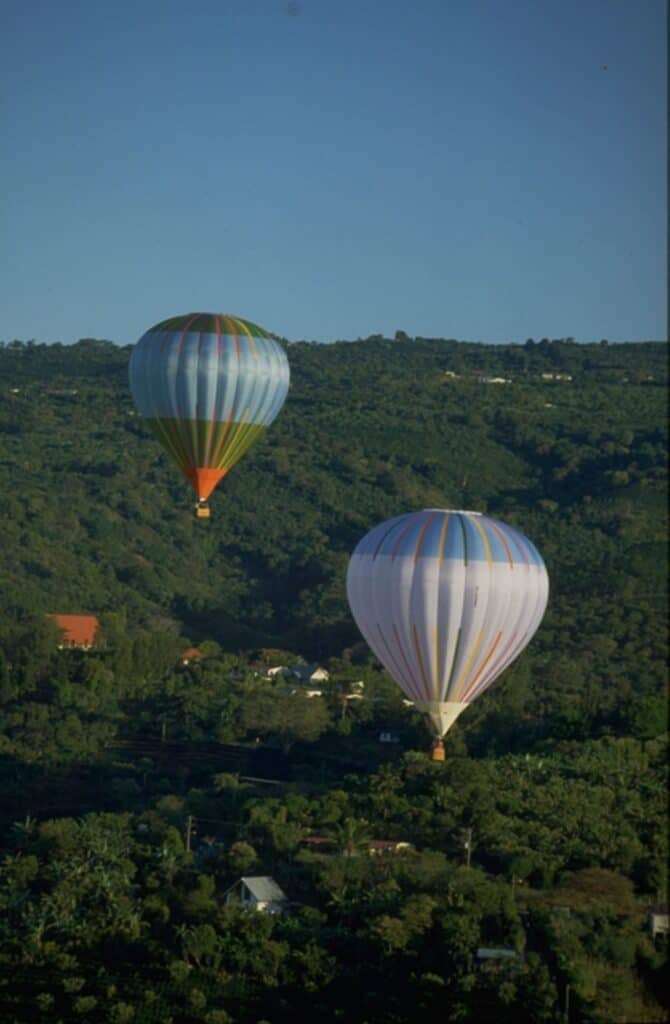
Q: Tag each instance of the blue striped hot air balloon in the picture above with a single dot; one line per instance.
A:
(446, 600)
(208, 385)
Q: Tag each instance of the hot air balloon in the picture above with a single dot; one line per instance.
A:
(208, 385)
(446, 600)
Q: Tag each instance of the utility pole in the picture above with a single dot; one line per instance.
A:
(190, 831)
(467, 846)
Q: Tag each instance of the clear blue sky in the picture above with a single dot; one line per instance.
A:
(479, 169)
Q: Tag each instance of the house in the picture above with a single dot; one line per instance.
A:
(260, 892)
(263, 671)
(318, 842)
(189, 655)
(326, 844)
(307, 692)
(310, 674)
(659, 921)
(377, 846)
(389, 737)
(495, 380)
(76, 630)
(555, 376)
(495, 955)
(279, 671)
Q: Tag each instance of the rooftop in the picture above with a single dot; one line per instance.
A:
(78, 630)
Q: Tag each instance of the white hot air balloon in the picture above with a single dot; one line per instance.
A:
(446, 600)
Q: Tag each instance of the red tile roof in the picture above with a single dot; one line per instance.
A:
(190, 653)
(77, 630)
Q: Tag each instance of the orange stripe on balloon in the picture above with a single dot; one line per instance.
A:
(487, 543)
(384, 536)
(249, 336)
(505, 658)
(419, 542)
(233, 331)
(389, 651)
(482, 666)
(506, 546)
(400, 537)
(468, 666)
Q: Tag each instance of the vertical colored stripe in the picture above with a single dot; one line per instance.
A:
(465, 540)
(399, 674)
(468, 664)
(221, 440)
(410, 523)
(384, 536)
(503, 538)
(487, 545)
(227, 455)
(453, 662)
(436, 673)
(243, 328)
(404, 658)
(494, 668)
(232, 331)
(522, 548)
(417, 550)
(217, 322)
(422, 667)
(443, 538)
(483, 665)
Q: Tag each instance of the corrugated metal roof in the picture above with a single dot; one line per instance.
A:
(264, 889)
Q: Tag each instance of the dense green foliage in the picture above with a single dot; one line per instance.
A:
(116, 761)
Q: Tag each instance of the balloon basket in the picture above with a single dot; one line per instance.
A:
(438, 751)
(202, 510)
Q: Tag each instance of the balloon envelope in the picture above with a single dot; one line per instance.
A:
(208, 385)
(446, 600)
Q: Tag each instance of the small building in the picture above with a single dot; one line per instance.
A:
(77, 631)
(495, 380)
(260, 892)
(277, 672)
(310, 674)
(190, 654)
(318, 842)
(496, 956)
(388, 737)
(659, 921)
(377, 846)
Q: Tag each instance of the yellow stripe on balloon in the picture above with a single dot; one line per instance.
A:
(487, 543)
(417, 648)
(243, 329)
(443, 536)
(468, 666)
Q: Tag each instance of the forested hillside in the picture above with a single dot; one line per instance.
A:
(131, 794)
